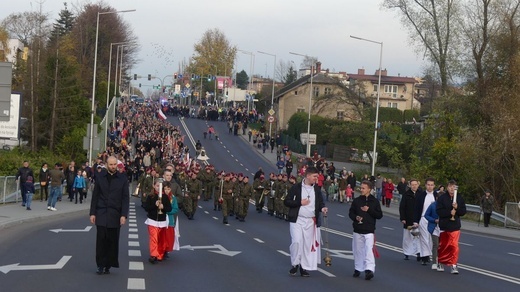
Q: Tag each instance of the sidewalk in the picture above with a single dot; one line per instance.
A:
(469, 226)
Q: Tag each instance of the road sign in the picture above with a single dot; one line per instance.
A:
(312, 140)
(271, 112)
(270, 119)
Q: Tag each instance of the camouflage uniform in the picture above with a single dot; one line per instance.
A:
(227, 198)
(281, 192)
(191, 198)
(246, 190)
(273, 183)
(216, 197)
(259, 186)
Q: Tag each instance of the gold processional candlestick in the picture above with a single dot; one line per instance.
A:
(454, 202)
(160, 195)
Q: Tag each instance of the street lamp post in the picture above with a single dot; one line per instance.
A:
(93, 108)
(272, 92)
(308, 152)
(376, 126)
(108, 89)
(251, 68)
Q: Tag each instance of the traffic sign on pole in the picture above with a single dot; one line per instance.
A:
(270, 119)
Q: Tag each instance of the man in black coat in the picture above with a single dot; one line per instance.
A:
(21, 176)
(406, 215)
(109, 210)
(305, 203)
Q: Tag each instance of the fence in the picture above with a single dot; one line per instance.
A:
(512, 215)
(10, 190)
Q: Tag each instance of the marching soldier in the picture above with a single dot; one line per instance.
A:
(227, 197)
(281, 193)
(272, 193)
(209, 183)
(146, 184)
(237, 189)
(259, 186)
(217, 206)
(192, 195)
(246, 190)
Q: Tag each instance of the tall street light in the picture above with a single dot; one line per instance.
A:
(251, 68)
(376, 126)
(272, 92)
(308, 152)
(108, 89)
(93, 109)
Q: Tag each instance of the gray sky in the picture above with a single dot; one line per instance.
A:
(315, 28)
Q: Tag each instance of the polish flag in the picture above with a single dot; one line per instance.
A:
(161, 115)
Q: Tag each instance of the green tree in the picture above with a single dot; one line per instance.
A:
(4, 45)
(242, 80)
(213, 52)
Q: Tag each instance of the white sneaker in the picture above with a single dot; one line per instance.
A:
(440, 268)
(54, 209)
(454, 269)
(48, 207)
(434, 266)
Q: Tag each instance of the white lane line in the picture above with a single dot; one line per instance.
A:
(134, 253)
(133, 243)
(131, 213)
(206, 212)
(339, 215)
(247, 169)
(258, 240)
(232, 155)
(200, 207)
(242, 165)
(135, 284)
(215, 218)
(132, 221)
(132, 229)
(131, 217)
(228, 151)
(223, 146)
(389, 228)
(467, 244)
(283, 252)
(133, 236)
(132, 225)
(236, 160)
(241, 231)
(515, 254)
(132, 203)
(136, 266)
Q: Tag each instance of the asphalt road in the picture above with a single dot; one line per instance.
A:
(240, 256)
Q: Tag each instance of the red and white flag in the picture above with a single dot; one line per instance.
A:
(161, 115)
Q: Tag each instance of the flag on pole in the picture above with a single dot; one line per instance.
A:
(161, 115)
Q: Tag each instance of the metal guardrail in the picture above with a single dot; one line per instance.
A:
(496, 216)
(10, 190)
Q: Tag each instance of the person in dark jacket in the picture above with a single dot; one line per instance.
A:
(486, 205)
(21, 177)
(305, 203)
(364, 212)
(108, 211)
(450, 208)
(157, 206)
(406, 215)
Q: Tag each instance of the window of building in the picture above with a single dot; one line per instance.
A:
(328, 90)
(340, 115)
(392, 104)
(300, 110)
(391, 90)
(316, 91)
(375, 88)
(296, 92)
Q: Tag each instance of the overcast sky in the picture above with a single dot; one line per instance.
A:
(315, 28)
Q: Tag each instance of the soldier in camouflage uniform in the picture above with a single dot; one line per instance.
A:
(192, 196)
(259, 186)
(217, 206)
(227, 197)
(209, 182)
(146, 184)
(273, 182)
(281, 192)
(292, 182)
(246, 191)
(238, 185)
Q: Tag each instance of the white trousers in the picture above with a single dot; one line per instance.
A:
(425, 239)
(409, 243)
(362, 245)
(304, 248)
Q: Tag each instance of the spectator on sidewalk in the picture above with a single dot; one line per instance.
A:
(21, 177)
(29, 191)
(57, 177)
(44, 182)
(486, 205)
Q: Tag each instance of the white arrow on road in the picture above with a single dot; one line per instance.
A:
(16, 267)
(87, 229)
(221, 250)
(345, 254)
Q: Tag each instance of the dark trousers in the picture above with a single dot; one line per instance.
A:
(487, 218)
(107, 247)
(44, 189)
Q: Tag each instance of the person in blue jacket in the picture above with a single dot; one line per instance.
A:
(433, 228)
(78, 186)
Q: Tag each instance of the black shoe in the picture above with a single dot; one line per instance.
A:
(152, 260)
(356, 274)
(166, 256)
(418, 257)
(369, 275)
(293, 270)
(406, 258)
(106, 271)
(99, 271)
(304, 273)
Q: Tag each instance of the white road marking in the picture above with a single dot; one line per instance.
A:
(136, 266)
(215, 218)
(132, 221)
(232, 155)
(241, 231)
(133, 243)
(17, 267)
(132, 225)
(206, 212)
(236, 160)
(132, 203)
(325, 273)
(228, 151)
(258, 240)
(224, 145)
(242, 165)
(134, 253)
(283, 252)
(339, 215)
(133, 236)
(136, 284)
(132, 229)
(132, 213)
(467, 244)
(389, 228)
(200, 207)
(246, 169)
(515, 254)
(131, 217)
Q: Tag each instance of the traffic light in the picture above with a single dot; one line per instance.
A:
(149, 76)
(135, 76)
(192, 76)
(210, 77)
(175, 76)
(139, 85)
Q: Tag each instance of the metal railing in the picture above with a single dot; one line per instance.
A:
(10, 190)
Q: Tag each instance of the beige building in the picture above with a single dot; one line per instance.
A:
(396, 91)
(331, 98)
